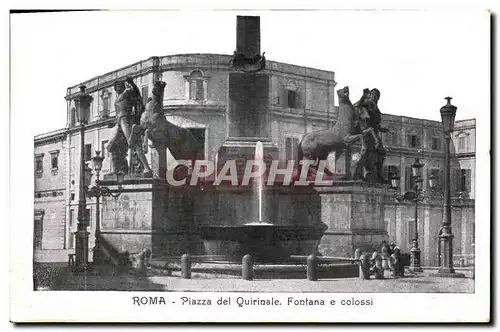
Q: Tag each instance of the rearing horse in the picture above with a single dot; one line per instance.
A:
(164, 134)
(319, 144)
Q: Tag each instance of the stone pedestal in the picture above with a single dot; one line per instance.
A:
(354, 214)
(149, 215)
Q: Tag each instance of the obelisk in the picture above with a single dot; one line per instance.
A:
(247, 114)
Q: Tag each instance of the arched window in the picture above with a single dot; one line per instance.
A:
(196, 85)
(414, 139)
(292, 96)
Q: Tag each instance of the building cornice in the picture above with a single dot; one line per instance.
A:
(464, 155)
(50, 139)
(189, 61)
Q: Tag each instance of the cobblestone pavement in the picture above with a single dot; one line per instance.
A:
(416, 284)
(112, 279)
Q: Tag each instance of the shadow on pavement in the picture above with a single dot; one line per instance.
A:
(59, 276)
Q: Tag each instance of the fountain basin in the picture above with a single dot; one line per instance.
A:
(265, 242)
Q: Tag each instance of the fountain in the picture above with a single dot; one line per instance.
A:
(265, 241)
(272, 223)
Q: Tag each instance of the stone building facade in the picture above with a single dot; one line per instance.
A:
(51, 191)
(301, 100)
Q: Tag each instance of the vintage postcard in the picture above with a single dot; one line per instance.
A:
(250, 166)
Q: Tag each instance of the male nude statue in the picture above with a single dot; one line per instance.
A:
(128, 106)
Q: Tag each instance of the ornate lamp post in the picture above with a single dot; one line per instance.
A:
(448, 113)
(82, 105)
(417, 195)
(97, 191)
(416, 169)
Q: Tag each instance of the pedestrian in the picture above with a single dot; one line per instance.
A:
(373, 260)
(386, 255)
(395, 260)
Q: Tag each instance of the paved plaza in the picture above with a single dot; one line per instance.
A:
(57, 276)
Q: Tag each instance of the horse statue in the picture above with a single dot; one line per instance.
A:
(164, 134)
(319, 144)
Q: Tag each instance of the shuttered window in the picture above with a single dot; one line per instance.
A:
(87, 152)
(409, 178)
(292, 99)
(465, 180)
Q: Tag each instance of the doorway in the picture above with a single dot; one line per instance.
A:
(38, 229)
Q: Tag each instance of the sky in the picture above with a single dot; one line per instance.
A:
(415, 58)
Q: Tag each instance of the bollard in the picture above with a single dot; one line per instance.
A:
(462, 262)
(247, 267)
(186, 266)
(357, 253)
(311, 268)
(364, 267)
(379, 271)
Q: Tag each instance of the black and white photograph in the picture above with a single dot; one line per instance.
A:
(250, 165)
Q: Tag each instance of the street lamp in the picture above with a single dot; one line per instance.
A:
(416, 195)
(97, 191)
(448, 113)
(82, 102)
(416, 169)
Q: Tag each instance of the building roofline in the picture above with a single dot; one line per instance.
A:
(50, 134)
(152, 58)
(423, 119)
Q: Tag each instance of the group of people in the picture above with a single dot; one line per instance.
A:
(392, 255)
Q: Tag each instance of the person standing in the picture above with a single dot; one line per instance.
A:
(386, 253)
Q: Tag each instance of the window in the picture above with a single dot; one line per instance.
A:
(292, 99)
(104, 149)
(391, 138)
(461, 143)
(72, 196)
(39, 163)
(196, 85)
(71, 217)
(73, 117)
(409, 178)
(87, 152)
(436, 143)
(291, 144)
(145, 94)
(88, 216)
(413, 141)
(465, 180)
(54, 160)
(196, 90)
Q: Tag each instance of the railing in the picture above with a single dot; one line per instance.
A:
(464, 260)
